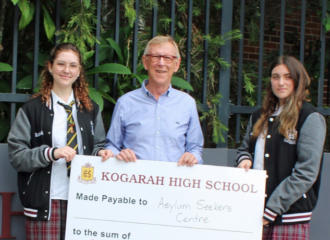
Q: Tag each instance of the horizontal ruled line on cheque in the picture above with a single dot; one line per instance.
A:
(162, 225)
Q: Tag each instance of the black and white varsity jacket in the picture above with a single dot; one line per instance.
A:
(293, 166)
(31, 152)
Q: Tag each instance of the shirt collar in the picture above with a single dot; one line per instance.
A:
(58, 99)
(278, 110)
(145, 83)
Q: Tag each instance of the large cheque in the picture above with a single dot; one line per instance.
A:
(149, 200)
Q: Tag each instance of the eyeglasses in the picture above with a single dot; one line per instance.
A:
(62, 65)
(156, 58)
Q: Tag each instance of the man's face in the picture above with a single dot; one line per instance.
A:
(161, 72)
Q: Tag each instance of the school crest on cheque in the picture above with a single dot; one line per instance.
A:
(87, 174)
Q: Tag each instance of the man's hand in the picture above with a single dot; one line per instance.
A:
(187, 159)
(246, 163)
(65, 152)
(126, 155)
(105, 154)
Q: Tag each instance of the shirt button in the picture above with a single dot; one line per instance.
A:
(48, 172)
(46, 211)
(157, 133)
(157, 147)
(84, 147)
(271, 119)
(268, 136)
(46, 192)
(49, 132)
(158, 118)
(81, 129)
(266, 155)
(51, 114)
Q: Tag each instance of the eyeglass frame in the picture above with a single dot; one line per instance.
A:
(162, 56)
(66, 65)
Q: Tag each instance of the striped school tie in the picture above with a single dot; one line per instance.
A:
(71, 132)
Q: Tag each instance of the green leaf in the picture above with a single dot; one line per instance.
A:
(106, 96)
(218, 5)
(88, 54)
(24, 7)
(181, 83)
(25, 83)
(140, 68)
(110, 68)
(87, 3)
(128, 31)
(120, 88)
(4, 128)
(138, 78)
(42, 58)
(144, 77)
(105, 51)
(180, 25)
(103, 85)
(30, 55)
(36, 89)
(5, 87)
(49, 24)
(23, 22)
(96, 96)
(117, 49)
(89, 63)
(327, 27)
(4, 67)
(14, 2)
(28, 68)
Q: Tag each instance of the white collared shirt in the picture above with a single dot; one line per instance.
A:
(59, 180)
(259, 151)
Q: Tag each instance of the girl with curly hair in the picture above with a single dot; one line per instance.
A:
(41, 147)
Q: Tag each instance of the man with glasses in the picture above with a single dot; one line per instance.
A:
(157, 122)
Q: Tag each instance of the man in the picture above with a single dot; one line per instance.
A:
(157, 122)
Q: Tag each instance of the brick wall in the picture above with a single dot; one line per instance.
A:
(292, 31)
(292, 27)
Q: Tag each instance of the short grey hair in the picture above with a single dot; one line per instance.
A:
(160, 40)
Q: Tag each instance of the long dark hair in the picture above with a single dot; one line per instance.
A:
(288, 117)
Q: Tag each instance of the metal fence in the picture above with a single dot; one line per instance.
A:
(238, 109)
(227, 107)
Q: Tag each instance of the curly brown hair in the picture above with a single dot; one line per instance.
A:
(80, 86)
(289, 115)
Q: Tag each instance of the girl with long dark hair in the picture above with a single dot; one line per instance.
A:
(286, 137)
